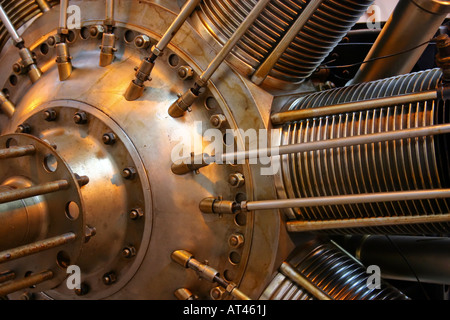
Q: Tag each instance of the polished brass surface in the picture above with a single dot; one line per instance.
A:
(117, 172)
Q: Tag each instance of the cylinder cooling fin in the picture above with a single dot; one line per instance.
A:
(199, 150)
(399, 165)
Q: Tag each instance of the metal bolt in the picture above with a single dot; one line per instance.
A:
(96, 30)
(51, 41)
(129, 173)
(17, 68)
(236, 240)
(27, 296)
(217, 120)
(80, 117)
(109, 138)
(109, 278)
(142, 41)
(50, 115)
(23, 128)
(129, 252)
(185, 72)
(217, 293)
(136, 214)
(84, 289)
(236, 180)
(89, 232)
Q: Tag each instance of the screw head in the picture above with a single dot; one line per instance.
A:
(129, 173)
(236, 180)
(185, 72)
(236, 240)
(136, 214)
(109, 278)
(51, 41)
(80, 117)
(84, 289)
(217, 293)
(129, 252)
(109, 138)
(217, 120)
(50, 115)
(23, 128)
(17, 68)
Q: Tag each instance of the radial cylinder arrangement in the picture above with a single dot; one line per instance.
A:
(203, 150)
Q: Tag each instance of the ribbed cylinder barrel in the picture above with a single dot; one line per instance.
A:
(400, 165)
(319, 35)
(334, 272)
(19, 12)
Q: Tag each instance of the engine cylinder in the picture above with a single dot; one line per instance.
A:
(319, 35)
(409, 164)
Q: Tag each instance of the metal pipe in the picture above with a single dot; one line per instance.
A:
(9, 26)
(43, 5)
(185, 101)
(261, 73)
(15, 152)
(36, 247)
(295, 115)
(41, 189)
(402, 32)
(308, 226)
(290, 272)
(185, 12)
(63, 14)
(346, 199)
(428, 256)
(237, 35)
(335, 143)
(25, 282)
(6, 276)
(109, 11)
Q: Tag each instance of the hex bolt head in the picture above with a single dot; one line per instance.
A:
(23, 128)
(136, 214)
(217, 293)
(129, 252)
(51, 41)
(217, 120)
(142, 41)
(185, 72)
(83, 290)
(80, 117)
(50, 115)
(109, 138)
(109, 278)
(129, 173)
(96, 31)
(17, 68)
(236, 179)
(236, 240)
